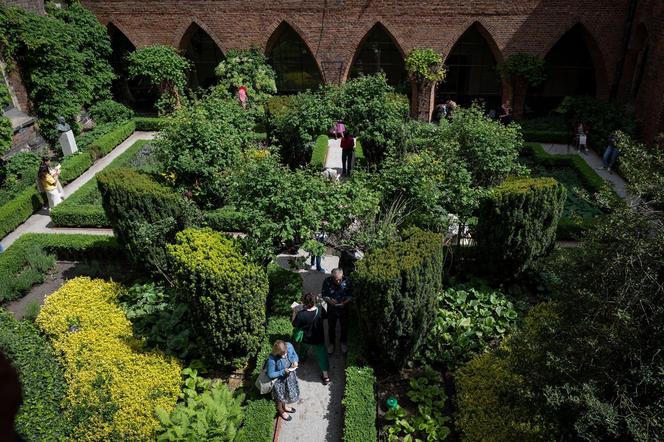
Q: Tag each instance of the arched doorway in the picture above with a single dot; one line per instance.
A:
(378, 52)
(471, 72)
(132, 93)
(292, 61)
(204, 55)
(570, 72)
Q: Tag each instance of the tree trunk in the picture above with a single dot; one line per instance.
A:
(422, 100)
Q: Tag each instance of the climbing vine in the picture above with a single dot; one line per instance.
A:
(425, 65)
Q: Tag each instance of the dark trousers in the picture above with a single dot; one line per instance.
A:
(346, 161)
(334, 313)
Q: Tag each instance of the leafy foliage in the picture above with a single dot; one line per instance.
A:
(20, 173)
(163, 67)
(285, 288)
(517, 223)
(425, 65)
(109, 111)
(525, 66)
(248, 68)
(258, 423)
(209, 412)
(467, 322)
(395, 290)
(427, 392)
(42, 380)
(63, 58)
(225, 292)
(202, 142)
(642, 167)
(113, 386)
(6, 134)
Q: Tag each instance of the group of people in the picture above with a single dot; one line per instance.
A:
(308, 319)
(446, 109)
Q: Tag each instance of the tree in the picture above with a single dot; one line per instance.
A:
(164, 68)
(523, 70)
(425, 68)
(247, 68)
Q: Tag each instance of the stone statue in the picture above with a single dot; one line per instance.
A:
(67, 140)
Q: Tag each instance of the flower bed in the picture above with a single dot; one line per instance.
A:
(114, 386)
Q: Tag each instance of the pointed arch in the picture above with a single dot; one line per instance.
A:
(292, 60)
(204, 53)
(379, 51)
(575, 66)
(472, 69)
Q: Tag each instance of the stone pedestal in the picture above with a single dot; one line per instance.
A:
(68, 143)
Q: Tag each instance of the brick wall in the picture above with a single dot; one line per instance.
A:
(334, 30)
(29, 5)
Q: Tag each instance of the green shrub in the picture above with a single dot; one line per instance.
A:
(258, 425)
(517, 223)
(320, 151)
(22, 266)
(20, 173)
(150, 124)
(5, 96)
(547, 136)
(84, 207)
(226, 294)
(106, 143)
(74, 165)
(109, 111)
(42, 380)
(395, 290)
(227, 219)
(16, 211)
(6, 134)
(248, 68)
(467, 322)
(285, 288)
(278, 104)
(491, 406)
(213, 414)
(145, 214)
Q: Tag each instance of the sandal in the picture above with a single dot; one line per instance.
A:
(292, 410)
(326, 381)
(290, 418)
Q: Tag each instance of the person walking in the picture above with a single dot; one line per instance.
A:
(48, 182)
(310, 321)
(337, 295)
(581, 137)
(321, 237)
(347, 151)
(281, 366)
(610, 154)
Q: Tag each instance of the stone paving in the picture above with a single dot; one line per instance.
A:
(40, 222)
(333, 158)
(319, 415)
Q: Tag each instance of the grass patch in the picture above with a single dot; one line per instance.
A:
(320, 151)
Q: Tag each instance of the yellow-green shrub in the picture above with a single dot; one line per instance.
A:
(114, 386)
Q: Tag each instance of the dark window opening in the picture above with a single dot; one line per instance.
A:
(293, 62)
(204, 55)
(379, 53)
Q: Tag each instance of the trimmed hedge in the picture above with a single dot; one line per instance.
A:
(73, 166)
(320, 152)
(106, 143)
(258, 423)
(16, 211)
(547, 136)
(40, 417)
(83, 208)
(114, 386)
(225, 292)
(227, 219)
(395, 291)
(517, 223)
(144, 213)
(15, 266)
(285, 287)
(149, 124)
(359, 399)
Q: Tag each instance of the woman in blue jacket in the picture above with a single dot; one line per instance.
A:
(281, 367)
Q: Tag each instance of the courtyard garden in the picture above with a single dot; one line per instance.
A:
(469, 321)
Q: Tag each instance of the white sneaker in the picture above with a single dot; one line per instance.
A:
(312, 268)
(344, 348)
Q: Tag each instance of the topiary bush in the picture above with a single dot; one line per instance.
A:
(395, 290)
(114, 386)
(144, 213)
(109, 111)
(226, 294)
(42, 380)
(285, 288)
(258, 425)
(518, 222)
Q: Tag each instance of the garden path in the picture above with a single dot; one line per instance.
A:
(594, 161)
(319, 416)
(40, 222)
(333, 158)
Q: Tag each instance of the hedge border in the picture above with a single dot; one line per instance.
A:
(27, 202)
(149, 124)
(320, 151)
(73, 213)
(64, 246)
(569, 229)
(359, 400)
(547, 136)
